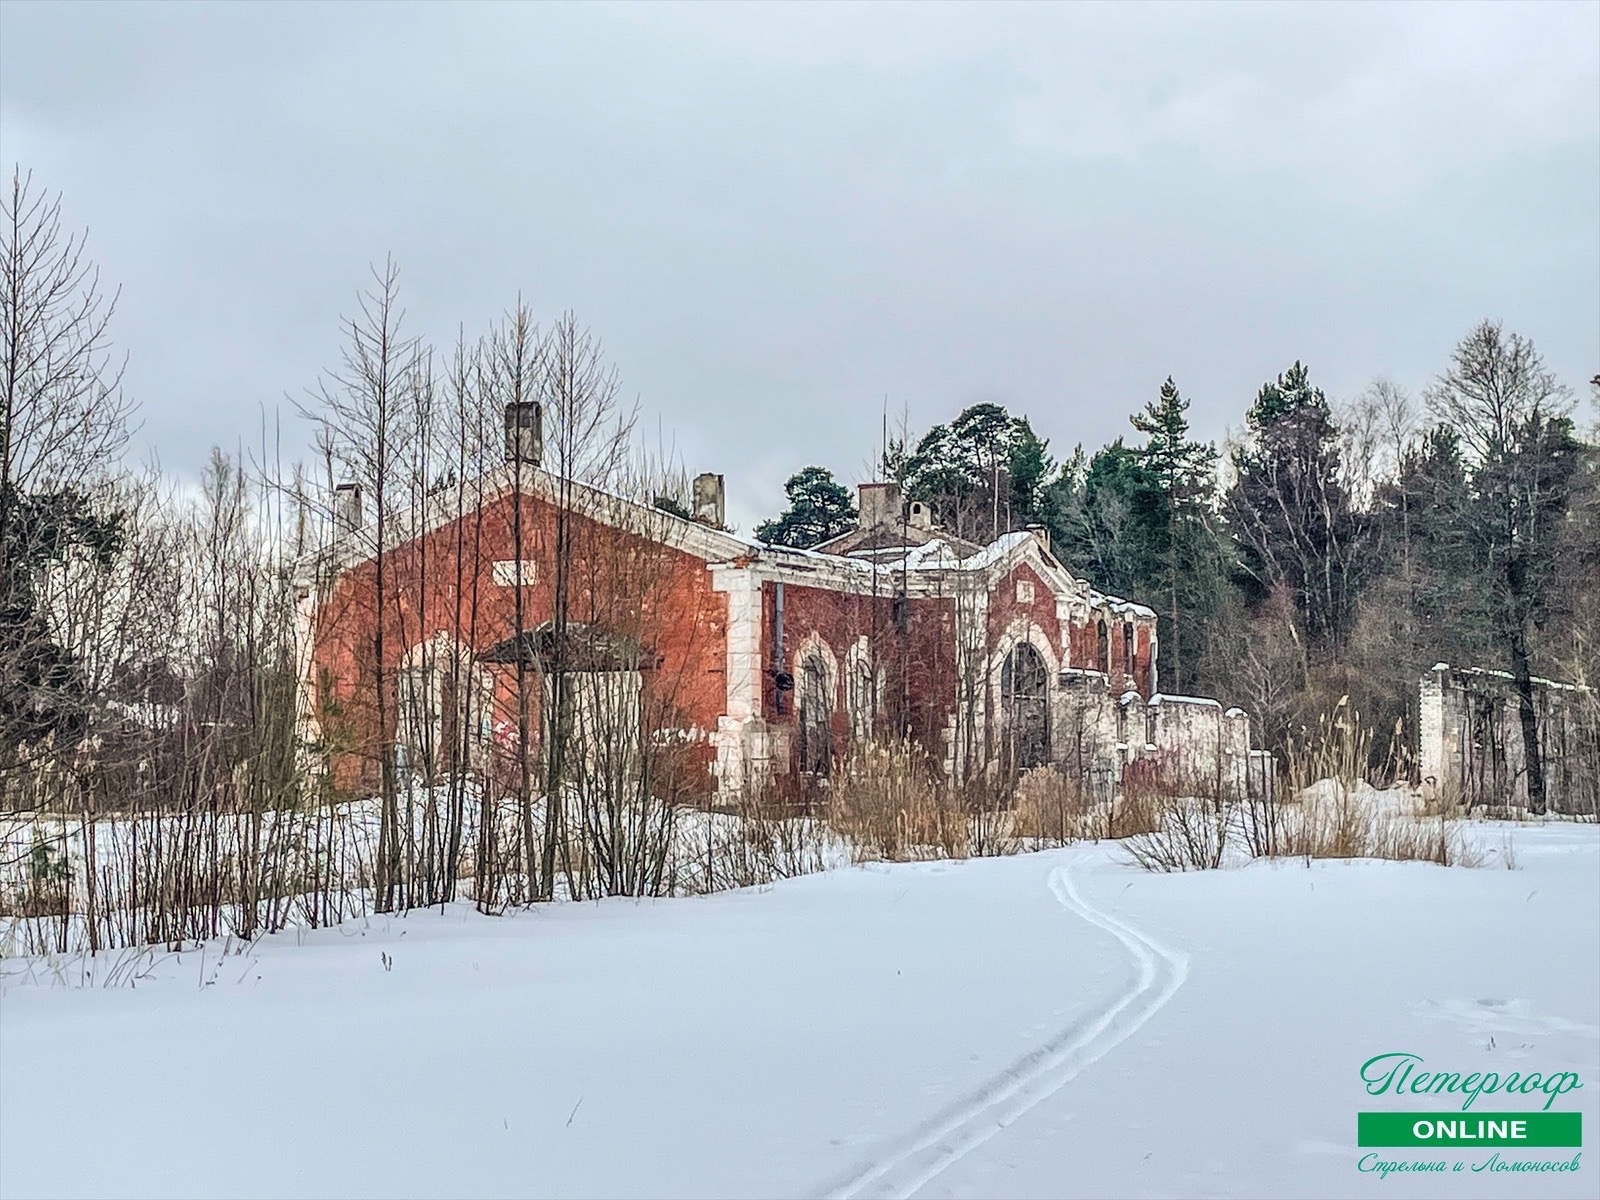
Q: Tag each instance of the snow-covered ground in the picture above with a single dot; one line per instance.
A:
(1057, 1024)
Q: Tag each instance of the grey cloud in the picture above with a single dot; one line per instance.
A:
(779, 217)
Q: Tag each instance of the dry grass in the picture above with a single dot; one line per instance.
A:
(1331, 821)
(891, 805)
(1051, 808)
(1334, 812)
(1137, 808)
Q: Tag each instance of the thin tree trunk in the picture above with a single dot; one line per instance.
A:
(1521, 672)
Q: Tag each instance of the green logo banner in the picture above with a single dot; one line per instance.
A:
(1469, 1129)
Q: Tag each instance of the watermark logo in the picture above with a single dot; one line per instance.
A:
(1524, 1119)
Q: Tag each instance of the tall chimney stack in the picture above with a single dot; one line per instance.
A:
(710, 500)
(879, 504)
(524, 432)
(347, 514)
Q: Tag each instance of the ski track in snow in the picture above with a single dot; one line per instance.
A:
(932, 1148)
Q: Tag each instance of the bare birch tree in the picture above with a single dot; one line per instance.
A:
(361, 407)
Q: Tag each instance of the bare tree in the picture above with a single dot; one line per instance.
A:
(361, 408)
(62, 410)
(586, 447)
(1512, 415)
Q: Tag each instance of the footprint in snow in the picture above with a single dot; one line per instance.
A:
(1495, 1016)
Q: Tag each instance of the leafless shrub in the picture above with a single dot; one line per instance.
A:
(1191, 834)
(762, 837)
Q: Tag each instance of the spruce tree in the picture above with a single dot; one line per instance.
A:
(1183, 555)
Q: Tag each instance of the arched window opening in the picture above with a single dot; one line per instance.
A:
(1102, 646)
(815, 717)
(1127, 648)
(865, 698)
(1025, 707)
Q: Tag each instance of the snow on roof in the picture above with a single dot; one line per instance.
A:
(939, 555)
(1198, 701)
(1119, 606)
(1507, 676)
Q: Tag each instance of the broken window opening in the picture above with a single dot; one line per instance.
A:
(1025, 707)
(816, 717)
(864, 699)
(444, 709)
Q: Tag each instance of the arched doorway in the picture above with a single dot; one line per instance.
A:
(1025, 707)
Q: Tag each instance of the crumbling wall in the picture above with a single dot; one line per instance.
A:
(1207, 746)
(1202, 746)
(1085, 741)
(1471, 747)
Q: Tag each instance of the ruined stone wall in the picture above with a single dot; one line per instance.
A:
(1087, 742)
(1471, 746)
(1206, 747)
(1084, 650)
(1202, 747)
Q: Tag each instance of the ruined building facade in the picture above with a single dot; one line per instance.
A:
(762, 660)
(1472, 749)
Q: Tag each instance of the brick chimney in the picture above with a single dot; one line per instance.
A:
(524, 432)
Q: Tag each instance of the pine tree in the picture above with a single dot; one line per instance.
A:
(1289, 508)
(983, 474)
(819, 509)
(41, 684)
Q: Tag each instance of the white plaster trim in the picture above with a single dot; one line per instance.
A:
(742, 670)
(813, 644)
(1021, 629)
(743, 629)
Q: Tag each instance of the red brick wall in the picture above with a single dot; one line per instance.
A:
(918, 662)
(1086, 652)
(1004, 607)
(443, 582)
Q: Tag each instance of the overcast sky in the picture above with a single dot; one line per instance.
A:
(777, 218)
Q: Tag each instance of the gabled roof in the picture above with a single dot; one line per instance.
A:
(923, 567)
(600, 504)
(891, 536)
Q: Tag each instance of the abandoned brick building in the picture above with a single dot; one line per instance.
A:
(763, 660)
